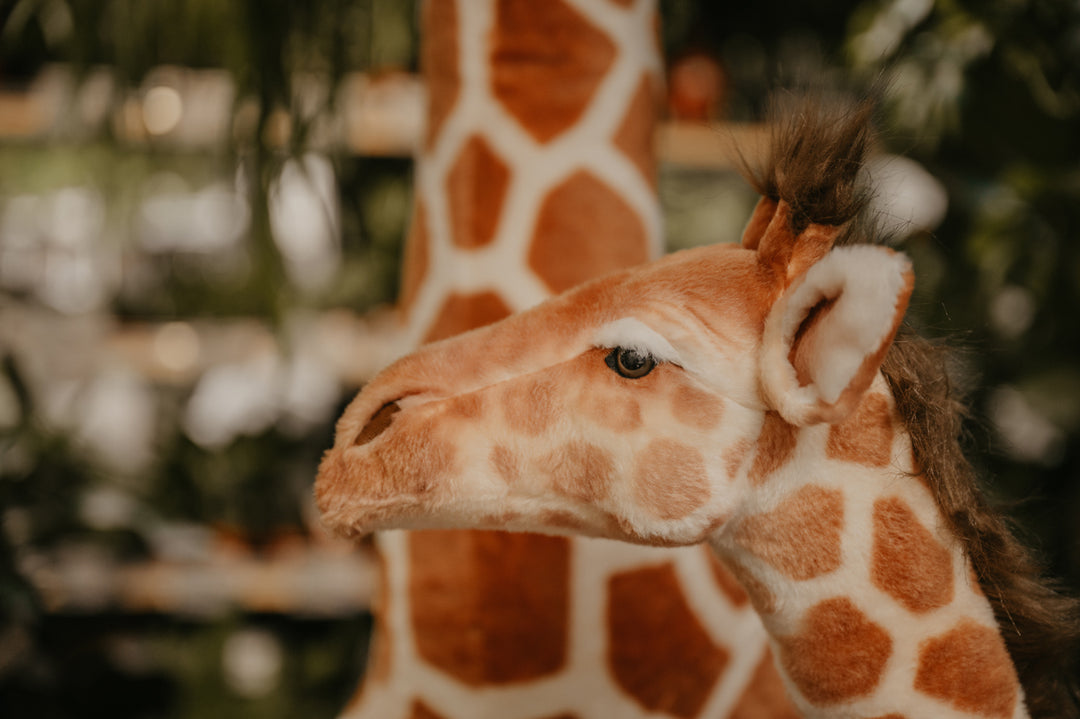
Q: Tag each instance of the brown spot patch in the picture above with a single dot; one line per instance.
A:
(635, 135)
(420, 710)
(907, 562)
(581, 470)
(475, 188)
(617, 413)
(468, 593)
(969, 668)
(660, 654)
(466, 406)
(727, 583)
(507, 464)
(460, 313)
(529, 405)
(439, 61)
(538, 47)
(670, 479)
(415, 261)
(801, 537)
(695, 408)
(838, 654)
(865, 436)
(774, 447)
(765, 695)
(565, 250)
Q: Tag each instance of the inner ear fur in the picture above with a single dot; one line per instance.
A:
(827, 334)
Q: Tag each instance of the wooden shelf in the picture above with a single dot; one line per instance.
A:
(377, 115)
(320, 580)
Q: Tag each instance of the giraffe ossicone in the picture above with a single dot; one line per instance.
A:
(730, 394)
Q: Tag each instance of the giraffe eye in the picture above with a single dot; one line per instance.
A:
(630, 363)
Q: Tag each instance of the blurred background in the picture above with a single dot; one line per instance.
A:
(202, 206)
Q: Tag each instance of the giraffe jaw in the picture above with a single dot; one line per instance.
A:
(368, 486)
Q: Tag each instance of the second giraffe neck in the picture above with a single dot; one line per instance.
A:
(870, 603)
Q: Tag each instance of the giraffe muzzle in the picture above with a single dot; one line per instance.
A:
(378, 423)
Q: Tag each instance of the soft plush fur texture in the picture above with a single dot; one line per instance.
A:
(819, 150)
(522, 425)
(1041, 626)
(808, 367)
(630, 333)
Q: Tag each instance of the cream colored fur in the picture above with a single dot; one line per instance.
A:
(868, 285)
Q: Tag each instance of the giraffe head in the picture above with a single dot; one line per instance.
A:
(622, 408)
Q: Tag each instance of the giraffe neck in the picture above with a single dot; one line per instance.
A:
(871, 606)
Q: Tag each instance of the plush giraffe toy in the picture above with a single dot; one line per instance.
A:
(536, 173)
(752, 397)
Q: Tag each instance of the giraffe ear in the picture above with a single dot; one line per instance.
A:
(827, 334)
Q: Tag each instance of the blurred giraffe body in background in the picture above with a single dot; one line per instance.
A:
(537, 173)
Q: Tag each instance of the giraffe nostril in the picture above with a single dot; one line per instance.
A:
(377, 424)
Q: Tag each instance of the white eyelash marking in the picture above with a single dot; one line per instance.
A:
(631, 333)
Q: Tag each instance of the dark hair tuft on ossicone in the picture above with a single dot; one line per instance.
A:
(817, 149)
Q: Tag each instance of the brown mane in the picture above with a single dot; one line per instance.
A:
(818, 151)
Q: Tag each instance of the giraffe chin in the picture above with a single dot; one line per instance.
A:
(354, 520)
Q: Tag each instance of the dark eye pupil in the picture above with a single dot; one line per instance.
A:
(632, 360)
(630, 363)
